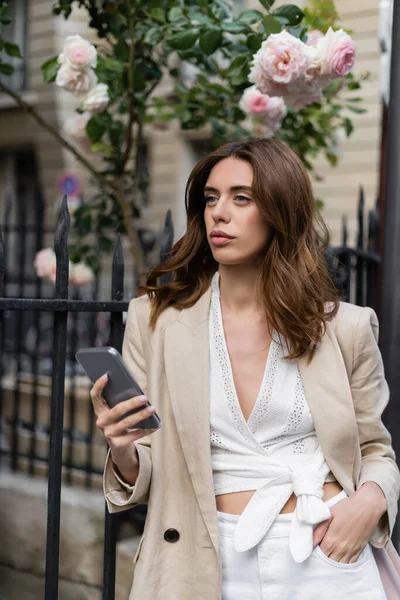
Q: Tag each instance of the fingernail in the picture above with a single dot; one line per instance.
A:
(151, 409)
(142, 398)
(104, 377)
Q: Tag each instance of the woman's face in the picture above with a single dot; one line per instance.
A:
(231, 210)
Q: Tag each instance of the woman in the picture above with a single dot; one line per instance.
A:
(272, 474)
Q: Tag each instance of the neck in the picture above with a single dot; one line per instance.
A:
(238, 289)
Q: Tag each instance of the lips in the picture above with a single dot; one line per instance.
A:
(220, 234)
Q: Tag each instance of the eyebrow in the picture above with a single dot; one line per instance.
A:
(234, 188)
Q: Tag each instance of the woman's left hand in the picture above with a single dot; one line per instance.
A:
(344, 536)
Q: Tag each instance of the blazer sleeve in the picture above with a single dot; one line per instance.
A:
(371, 395)
(119, 494)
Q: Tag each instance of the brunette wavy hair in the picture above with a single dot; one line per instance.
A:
(297, 290)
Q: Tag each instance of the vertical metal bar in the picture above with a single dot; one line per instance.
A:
(72, 348)
(167, 240)
(57, 408)
(360, 265)
(371, 265)
(344, 263)
(116, 335)
(21, 251)
(3, 430)
(92, 334)
(38, 233)
(390, 326)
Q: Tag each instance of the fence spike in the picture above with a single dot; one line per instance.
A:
(118, 269)
(61, 250)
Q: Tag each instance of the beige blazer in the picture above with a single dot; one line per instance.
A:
(178, 557)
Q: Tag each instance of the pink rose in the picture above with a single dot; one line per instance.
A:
(78, 53)
(76, 81)
(253, 102)
(45, 264)
(276, 112)
(314, 36)
(337, 53)
(75, 128)
(97, 99)
(281, 59)
(80, 274)
(300, 99)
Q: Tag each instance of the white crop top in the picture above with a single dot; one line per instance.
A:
(275, 452)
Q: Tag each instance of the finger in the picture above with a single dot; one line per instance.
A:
(116, 429)
(114, 414)
(131, 436)
(320, 531)
(96, 394)
(120, 409)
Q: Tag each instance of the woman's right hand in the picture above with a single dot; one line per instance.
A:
(120, 434)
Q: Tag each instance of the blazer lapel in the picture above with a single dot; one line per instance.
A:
(187, 369)
(330, 400)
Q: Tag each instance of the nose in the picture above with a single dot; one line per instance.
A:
(220, 212)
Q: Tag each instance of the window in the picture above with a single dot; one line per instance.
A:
(15, 32)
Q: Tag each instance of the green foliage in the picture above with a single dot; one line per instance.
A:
(142, 42)
(50, 69)
(7, 49)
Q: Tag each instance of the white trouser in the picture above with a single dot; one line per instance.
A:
(268, 571)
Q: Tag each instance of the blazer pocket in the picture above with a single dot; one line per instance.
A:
(137, 554)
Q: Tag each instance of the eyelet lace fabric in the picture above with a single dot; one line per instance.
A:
(273, 450)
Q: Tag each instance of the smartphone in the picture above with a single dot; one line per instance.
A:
(120, 386)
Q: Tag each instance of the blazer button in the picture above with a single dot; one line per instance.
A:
(171, 535)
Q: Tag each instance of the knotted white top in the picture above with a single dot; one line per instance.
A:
(275, 452)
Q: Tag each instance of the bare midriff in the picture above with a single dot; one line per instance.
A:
(235, 503)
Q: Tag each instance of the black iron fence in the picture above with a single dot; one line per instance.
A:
(43, 426)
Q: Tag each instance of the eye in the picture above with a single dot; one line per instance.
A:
(242, 198)
(210, 199)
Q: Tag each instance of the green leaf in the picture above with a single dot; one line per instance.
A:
(121, 50)
(157, 14)
(50, 69)
(271, 25)
(200, 18)
(12, 50)
(174, 14)
(110, 64)
(95, 128)
(353, 85)
(267, 3)
(100, 147)
(250, 16)
(6, 69)
(153, 36)
(210, 39)
(238, 70)
(297, 32)
(105, 244)
(235, 27)
(291, 12)
(184, 40)
(356, 109)
(348, 125)
(254, 42)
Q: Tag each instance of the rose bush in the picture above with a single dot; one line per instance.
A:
(303, 92)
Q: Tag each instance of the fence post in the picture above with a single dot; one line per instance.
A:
(116, 334)
(57, 407)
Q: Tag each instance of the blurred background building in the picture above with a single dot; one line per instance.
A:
(31, 161)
